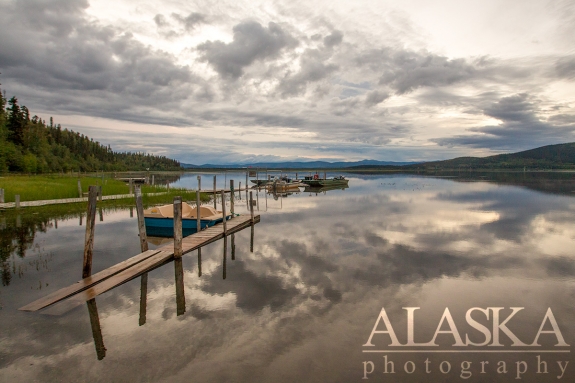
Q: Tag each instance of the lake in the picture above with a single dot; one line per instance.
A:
(398, 278)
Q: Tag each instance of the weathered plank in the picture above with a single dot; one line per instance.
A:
(105, 280)
(118, 279)
(86, 283)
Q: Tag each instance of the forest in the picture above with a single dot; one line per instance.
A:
(30, 145)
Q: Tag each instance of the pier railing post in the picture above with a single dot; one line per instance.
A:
(224, 211)
(141, 221)
(89, 238)
(198, 215)
(252, 206)
(178, 227)
(215, 192)
(232, 198)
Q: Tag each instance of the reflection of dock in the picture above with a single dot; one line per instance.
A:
(92, 286)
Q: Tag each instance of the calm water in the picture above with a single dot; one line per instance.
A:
(303, 305)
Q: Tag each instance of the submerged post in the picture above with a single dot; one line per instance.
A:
(96, 329)
(89, 238)
(252, 206)
(141, 221)
(233, 247)
(199, 262)
(224, 212)
(225, 256)
(198, 211)
(180, 296)
(177, 227)
(79, 188)
(17, 201)
(232, 198)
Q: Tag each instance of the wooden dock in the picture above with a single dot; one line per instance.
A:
(69, 200)
(90, 287)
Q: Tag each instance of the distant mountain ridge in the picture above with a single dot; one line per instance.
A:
(558, 156)
(302, 164)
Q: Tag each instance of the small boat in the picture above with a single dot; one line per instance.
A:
(159, 220)
(315, 181)
(284, 185)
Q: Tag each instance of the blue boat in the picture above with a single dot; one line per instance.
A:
(159, 220)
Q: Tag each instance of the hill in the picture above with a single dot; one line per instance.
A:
(559, 156)
(29, 145)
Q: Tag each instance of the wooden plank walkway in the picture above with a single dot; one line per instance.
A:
(116, 275)
(68, 200)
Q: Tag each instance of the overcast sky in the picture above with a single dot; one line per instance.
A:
(259, 80)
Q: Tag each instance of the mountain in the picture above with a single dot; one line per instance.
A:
(559, 156)
(302, 165)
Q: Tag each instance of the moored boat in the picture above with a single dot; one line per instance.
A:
(315, 181)
(159, 220)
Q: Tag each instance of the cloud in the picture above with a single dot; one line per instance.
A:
(251, 42)
(565, 67)
(191, 21)
(520, 127)
(335, 38)
(313, 68)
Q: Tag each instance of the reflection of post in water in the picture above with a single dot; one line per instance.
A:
(96, 329)
(101, 212)
(80, 219)
(143, 298)
(180, 296)
(200, 262)
(131, 211)
(225, 255)
(233, 247)
(56, 223)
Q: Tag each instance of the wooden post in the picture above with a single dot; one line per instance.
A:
(232, 198)
(100, 193)
(225, 256)
(96, 329)
(1, 195)
(177, 227)
(131, 183)
(101, 214)
(252, 206)
(224, 211)
(131, 212)
(153, 181)
(199, 262)
(180, 296)
(17, 201)
(141, 222)
(81, 219)
(215, 203)
(199, 182)
(252, 239)
(143, 299)
(198, 215)
(247, 183)
(240, 190)
(233, 247)
(79, 188)
(89, 237)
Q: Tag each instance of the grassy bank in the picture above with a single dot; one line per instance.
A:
(34, 188)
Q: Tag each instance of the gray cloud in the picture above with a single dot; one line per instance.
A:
(565, 67)
(521, 128)
(313, 68)
(191, 21)
(335, 38)
(251, 42)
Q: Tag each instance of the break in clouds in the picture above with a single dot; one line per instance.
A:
(294, 80)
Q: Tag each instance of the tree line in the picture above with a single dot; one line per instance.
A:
(30, 145)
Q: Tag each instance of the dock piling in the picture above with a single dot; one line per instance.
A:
(1, 195)
(232, 198)
(141, 221)
(233, 247)
(180, 296)
(198, 215)
(90, 226)
(199, 182)
(252, 206)
(17, 201)
(199, 262)
(215, 206)
(100, 193)
(224, 212)
(225, 256)
(178, 227)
